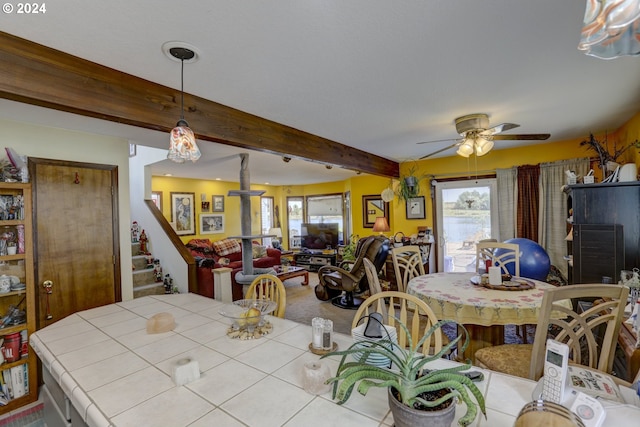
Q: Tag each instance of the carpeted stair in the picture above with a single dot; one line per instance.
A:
(144, 280)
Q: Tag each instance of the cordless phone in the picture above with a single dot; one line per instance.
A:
(556, 362)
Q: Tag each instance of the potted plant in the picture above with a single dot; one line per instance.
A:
(414, 393)
(349, 250)
(408, 185)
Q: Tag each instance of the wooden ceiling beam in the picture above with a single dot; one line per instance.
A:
(38, 75)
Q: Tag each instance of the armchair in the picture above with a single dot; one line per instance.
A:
(339, 283)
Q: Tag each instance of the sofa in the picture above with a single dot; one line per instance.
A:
(226, 253)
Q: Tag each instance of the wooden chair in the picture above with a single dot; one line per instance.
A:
(486, 250)
(580, 331)
(268, 286)
(418, 321)
(372, 277)
(407, 264)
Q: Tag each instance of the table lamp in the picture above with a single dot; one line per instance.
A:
(278, 233)
(381, 225)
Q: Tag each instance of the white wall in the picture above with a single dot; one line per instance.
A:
(62, 144)
(159, 244)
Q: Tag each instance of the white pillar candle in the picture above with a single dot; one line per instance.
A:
(495, 276)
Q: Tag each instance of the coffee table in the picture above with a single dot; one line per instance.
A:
(291, 273)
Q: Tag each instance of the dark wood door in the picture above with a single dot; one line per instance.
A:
(76, 229)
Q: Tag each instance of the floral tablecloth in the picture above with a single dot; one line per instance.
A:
(452, 296)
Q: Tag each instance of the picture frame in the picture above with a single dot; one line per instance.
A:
(415, 208)
(204, 206)
(218, 204)
(156, 197)
(183, 213)
(372, 207)
(211, 223)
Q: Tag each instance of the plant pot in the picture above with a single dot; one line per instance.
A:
(404, 416)
(411, 181)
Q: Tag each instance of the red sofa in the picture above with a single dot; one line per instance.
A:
(210, 255)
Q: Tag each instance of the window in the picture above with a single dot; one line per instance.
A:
(266, 217)
(295, 218)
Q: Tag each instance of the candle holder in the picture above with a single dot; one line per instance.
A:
(315, 374)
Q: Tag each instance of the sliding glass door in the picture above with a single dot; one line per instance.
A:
(466, 213)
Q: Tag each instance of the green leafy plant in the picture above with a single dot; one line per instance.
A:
(408, 375)
(409, 185)
(349, 250)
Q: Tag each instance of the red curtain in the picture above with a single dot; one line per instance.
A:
(528, 197)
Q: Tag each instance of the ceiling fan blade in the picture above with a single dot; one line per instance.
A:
(502, 127)
(438, 140)
(522, 137)
(440, 151)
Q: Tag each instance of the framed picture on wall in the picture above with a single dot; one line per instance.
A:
(182, 213)
(415, 208)
(156, 197)
(218, 204)
(211, 223)
(373, 207)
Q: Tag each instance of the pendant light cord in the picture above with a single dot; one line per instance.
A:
(182, 89)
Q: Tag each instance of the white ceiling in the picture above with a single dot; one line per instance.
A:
(372, 74)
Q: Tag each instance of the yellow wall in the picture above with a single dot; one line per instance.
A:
(453, 166)
(210, 188)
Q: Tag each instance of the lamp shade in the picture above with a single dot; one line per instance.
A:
(466, 149)
(183, 144)
(276, 231)
(483, 146)
(381, 225)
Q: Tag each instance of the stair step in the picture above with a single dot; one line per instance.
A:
(140, 277)
(139, 262)
(148, 289)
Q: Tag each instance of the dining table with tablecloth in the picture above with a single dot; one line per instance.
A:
(483, 311)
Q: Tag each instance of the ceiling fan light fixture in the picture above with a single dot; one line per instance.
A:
(483, 146)
(466, 149)
(182, 141)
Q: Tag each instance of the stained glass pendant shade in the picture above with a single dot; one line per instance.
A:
(182, 140)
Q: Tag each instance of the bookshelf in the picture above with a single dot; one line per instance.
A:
(18, 371)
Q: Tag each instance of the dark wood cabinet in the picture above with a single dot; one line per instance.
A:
(605, 204)
(598, 252)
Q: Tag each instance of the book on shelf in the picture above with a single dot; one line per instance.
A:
(7, 383)
(17, 381)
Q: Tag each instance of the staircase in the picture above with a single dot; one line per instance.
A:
(144, 280)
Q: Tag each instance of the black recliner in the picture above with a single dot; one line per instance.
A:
(340, 283)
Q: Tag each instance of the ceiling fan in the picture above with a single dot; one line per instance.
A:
(478, 137)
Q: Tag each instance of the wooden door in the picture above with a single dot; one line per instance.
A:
(76, 243)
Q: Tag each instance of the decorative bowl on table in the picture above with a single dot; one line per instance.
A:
(248, 318)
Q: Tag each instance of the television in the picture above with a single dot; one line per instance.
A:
(319, 236)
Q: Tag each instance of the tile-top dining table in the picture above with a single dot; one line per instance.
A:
(114, 374)
(483, 311)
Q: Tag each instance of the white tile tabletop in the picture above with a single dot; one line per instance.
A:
(118, 375)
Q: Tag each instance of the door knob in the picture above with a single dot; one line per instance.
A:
(47, 285)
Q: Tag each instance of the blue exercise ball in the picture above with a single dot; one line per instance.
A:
(534, 260)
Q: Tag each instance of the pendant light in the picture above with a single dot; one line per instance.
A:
(182, 140)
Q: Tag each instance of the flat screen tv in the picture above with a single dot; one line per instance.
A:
(319, 236)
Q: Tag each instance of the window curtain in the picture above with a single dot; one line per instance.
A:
(507, 206)
(528, 199)
(553, 208)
